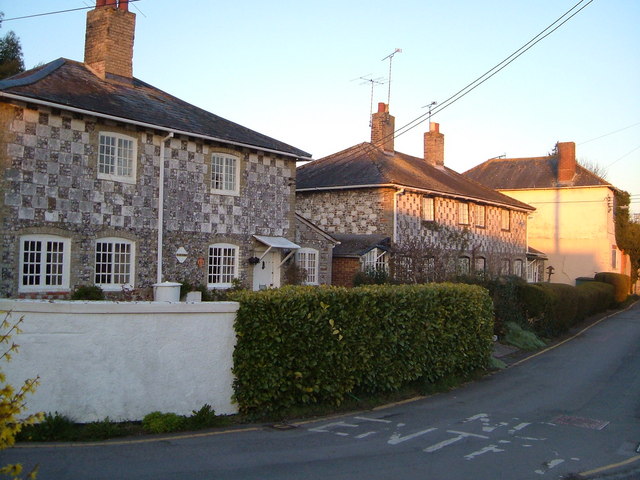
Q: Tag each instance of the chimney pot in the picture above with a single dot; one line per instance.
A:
(382, 107)
(101, 3)
(123, 5)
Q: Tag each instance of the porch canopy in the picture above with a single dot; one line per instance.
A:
(277, 242)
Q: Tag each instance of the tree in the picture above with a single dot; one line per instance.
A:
(594, 168)
(11, 60)
(12, 401)
(627, 233)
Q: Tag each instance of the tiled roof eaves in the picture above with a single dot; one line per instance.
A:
(24, 87)
(514, 204)
(21, 81)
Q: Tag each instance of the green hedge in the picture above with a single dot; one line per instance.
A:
(552, 308)
(621, 283)
(302, 345)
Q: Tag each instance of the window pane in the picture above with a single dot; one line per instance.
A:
(222, 264)
(428, 209)
(113, 263)
(31, 262)
(223, 172)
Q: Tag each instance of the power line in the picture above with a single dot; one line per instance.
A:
(625, 155)
(366, 148)
(58, 11)
(610, 133)
(497, 68)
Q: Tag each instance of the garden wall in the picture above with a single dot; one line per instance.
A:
(124, 360)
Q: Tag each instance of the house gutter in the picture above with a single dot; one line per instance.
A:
(418, 190)
(144, 124)
(395, 213)
(161, 207)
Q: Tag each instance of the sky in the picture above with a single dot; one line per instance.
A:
(297, 71)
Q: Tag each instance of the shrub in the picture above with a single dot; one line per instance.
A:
(53, 427)
(594, 297)
(522, 339)
(621, 283)
(303, 345)
(371, 276)
(203, 418)
(550, 308)
(505, 292)
(87, 292)
(12, 400)
(159, 422)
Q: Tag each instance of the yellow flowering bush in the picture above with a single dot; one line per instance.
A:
(12, 400)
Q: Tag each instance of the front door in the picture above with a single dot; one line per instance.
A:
(266, 273)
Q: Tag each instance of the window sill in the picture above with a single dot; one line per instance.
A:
(117, 178)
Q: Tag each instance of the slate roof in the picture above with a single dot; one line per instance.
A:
(68, 83)
(353, 245)
(525, 173)
(367, 165)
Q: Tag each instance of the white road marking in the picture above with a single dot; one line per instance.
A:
(329, 426)
(490, 448)
(518, 427)
(446, 443)
(367, 434)
(380, 420)
(395, 439)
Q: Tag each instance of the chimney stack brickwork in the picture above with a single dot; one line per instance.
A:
(434, 145)
(109, 39)
(566, 162)
(382, 128)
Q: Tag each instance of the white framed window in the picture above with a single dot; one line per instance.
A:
(224, 174)
(114, 263)
(481, 216)
(374, 260)
(505, 219)
(222, 265)
(44, 263)
(117, 156)
(518, 268)
(428, 209)
(307, 259)
(463, 213)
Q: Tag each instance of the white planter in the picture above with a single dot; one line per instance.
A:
(166, 292)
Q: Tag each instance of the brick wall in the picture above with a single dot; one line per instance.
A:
(344, 270)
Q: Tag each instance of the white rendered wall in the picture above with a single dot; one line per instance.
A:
(124, 360)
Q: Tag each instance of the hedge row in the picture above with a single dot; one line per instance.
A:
(302, 345)
(550, 309)
(622, 284)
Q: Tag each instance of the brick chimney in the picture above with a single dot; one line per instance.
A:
(108, 45)
(382, 127)
(566, 162)
(434, 145)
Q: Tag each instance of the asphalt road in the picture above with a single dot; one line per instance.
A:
(569, 410)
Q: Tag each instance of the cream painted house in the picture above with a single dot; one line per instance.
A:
(574, 218)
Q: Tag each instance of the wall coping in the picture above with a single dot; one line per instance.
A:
(111, 307)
